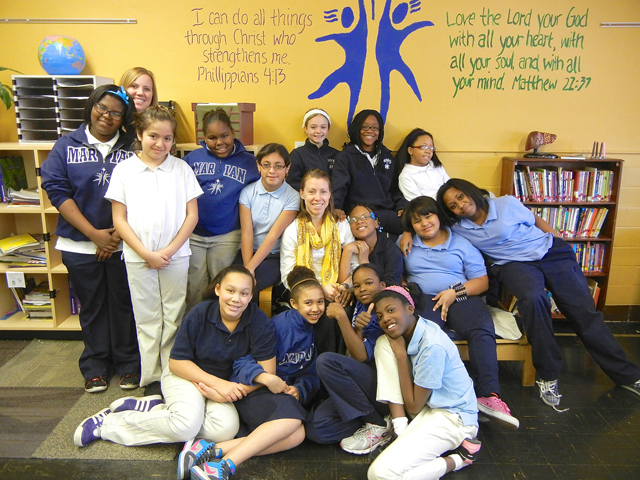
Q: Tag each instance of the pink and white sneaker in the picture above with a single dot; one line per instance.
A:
(494, 407)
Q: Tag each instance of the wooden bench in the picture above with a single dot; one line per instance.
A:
(507, 350)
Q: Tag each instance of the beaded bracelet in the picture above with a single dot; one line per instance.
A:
(461, 291)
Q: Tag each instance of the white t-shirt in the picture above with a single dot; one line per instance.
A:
(156, 201)
(417, 181)
(289, 246)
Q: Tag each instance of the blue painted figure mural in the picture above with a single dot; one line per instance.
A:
(354, 44)
(388, 46)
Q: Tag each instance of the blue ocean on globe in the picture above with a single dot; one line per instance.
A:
(60, 55)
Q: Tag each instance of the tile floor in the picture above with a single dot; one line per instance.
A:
(598, 438)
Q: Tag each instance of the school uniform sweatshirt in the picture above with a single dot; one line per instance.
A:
(309, 157)
(221, 180)
(295, 356)
(76, 170)
(355, 181)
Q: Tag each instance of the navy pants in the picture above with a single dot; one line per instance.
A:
(559, 272)
(267, 273)
(106, 315)
(472, 321)
(352, 399)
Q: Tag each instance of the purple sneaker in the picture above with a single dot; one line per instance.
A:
(139, 404)
(195, 452)
(89, 430)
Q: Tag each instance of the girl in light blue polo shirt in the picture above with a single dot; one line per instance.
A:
(420, 370)
(267, 207)
(451, 272)
(527, 257)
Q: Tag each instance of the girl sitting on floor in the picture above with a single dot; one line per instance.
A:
(419, 368)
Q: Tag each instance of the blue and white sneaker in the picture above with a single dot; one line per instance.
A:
(195, 452)
(220, 470)
(139, 404)
(89, 430)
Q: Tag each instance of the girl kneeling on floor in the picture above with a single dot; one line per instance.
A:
(200, 399)
(419, 368)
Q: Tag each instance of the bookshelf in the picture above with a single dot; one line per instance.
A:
(583, 210)
(35, 219)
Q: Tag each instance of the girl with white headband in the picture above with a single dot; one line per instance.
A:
(316, 152)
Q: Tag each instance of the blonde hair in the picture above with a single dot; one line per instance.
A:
(133, 74)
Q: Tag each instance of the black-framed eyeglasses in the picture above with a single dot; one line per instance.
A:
(277, 167)
(102, 110)
(424, 147)
(369, 127)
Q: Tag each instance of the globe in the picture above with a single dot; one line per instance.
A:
(61, 55)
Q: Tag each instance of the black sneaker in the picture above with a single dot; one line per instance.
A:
(130, 381)
(153, 388)
(468, 450)
(95, 385)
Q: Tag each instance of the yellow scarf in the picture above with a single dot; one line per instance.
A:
(308, 240)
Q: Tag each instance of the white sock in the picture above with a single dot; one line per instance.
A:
(399, 424)
(457, 459)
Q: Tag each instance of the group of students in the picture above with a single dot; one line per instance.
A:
(203, 235)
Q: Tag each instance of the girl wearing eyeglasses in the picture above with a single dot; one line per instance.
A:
(420, 170)
(364, 173)
(223, 168)
(267, 207)
(75, 176)
(371, 246)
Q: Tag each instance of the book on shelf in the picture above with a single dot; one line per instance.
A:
(23, 250)
(34, 299)
(555, 184)
(571, 222)
(14, 176)
(24, 196)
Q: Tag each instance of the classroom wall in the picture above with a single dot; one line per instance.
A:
(481, 77)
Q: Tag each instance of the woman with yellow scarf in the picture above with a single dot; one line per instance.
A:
(315, 240)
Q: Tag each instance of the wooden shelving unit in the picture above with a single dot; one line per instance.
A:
(35, 219)
(607, 233)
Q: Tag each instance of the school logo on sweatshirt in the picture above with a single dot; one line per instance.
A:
(216, 188)
(102, 177)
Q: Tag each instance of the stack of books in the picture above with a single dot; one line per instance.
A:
(590, 257)
(34, 300)
(554, 184)
(23, 250)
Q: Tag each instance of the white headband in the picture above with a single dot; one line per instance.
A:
(313, 113)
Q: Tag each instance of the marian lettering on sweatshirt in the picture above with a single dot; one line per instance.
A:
(230, 171)
(293, 358)
(90, 155)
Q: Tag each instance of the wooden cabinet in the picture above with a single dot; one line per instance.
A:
(35, 219)
(597, 248)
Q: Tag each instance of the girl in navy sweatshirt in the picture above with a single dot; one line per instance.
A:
(75, 176)
(223, 168)
(364, 173)
(316, 152)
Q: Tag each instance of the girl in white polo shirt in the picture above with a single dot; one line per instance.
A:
(153, 196)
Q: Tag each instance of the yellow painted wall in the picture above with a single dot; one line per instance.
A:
(473, 130)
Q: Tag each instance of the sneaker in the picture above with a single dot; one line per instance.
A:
(130, 381)
(494, 407)
(95, 385)
(634, 387)
(154, 388)
(220, 470)
(549, 392)
(89, 430)
(195, 453)
(388, 440)
(468, 450)
(139, 404)
(367, 438)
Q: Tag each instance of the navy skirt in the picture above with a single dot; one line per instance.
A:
(262, 406)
